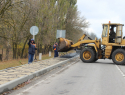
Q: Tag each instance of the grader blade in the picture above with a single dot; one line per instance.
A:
(64, 45)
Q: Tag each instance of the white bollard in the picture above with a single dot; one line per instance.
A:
(40, 56)
(49, 53)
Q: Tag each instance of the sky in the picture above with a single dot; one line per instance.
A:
(97, 12)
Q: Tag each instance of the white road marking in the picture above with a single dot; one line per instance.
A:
(120, 71)
(46, 79)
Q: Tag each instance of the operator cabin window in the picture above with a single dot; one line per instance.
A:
(113, 28)
(112, 33)
(119, 30)
(105, 30)
(119, 34)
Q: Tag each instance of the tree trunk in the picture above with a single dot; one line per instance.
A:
(14, 50)
(24, 47)
(7, 51)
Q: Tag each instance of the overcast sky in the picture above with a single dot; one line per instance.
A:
(102, 11)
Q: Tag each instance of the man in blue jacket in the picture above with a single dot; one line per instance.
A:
(55, 50)
(31, 52)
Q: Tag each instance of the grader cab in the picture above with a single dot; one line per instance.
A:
(112, 45)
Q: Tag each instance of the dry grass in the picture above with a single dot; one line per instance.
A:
(18, 62)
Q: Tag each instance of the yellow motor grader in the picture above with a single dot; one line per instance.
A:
(112, 45)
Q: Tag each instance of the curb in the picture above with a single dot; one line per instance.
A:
(20, 65)
(10, 85)
(23, 65)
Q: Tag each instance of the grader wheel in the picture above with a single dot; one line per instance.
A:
(118, 56)
(87, 55)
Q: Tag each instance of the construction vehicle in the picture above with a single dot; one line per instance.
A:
(112, 45)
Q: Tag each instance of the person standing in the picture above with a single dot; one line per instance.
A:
(31, 52)
(55, 50)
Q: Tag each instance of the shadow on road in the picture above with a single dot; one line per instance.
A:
(104, 63)
(101, 61)
(71, 54)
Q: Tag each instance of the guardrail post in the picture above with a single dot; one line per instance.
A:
(40, 56)
(49, 53)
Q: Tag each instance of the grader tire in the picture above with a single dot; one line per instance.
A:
(118, 56)
(87, 55)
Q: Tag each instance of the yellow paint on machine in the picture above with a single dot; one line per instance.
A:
(112, 45)
(108, 51)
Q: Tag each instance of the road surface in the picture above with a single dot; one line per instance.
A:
(100, 78)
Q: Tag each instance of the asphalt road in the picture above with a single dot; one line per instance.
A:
(100, 78)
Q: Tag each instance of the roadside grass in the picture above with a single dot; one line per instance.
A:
(18, 62)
